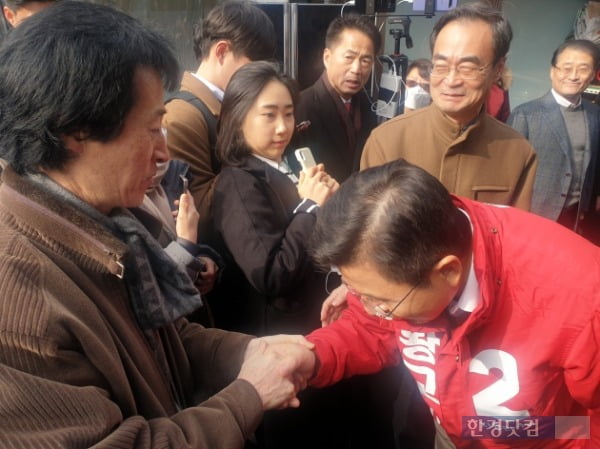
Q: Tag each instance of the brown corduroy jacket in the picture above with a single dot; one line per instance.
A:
(75, 368)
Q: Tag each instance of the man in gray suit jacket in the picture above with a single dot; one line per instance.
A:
(564, 129)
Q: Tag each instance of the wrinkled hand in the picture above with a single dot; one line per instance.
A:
(334, 305)
(186, 218)
(315, 184)
(278, 367)
(206, 280)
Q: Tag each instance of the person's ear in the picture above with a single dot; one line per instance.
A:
(10, 16)
(499, 68)
(448, 270)
(326, 57)
(220, 49)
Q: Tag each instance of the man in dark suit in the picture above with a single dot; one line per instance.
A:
(564, 129)
(334, 119)
(334, 115)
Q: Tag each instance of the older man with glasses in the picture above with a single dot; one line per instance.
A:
(564, 129)
(454, 139)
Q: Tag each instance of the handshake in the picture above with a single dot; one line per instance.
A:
(278, 367)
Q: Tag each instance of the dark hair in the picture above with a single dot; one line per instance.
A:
(245, 85)
(247, 27)
(580, 45)
(501, 29)
(397, 217)
(12, 4)
(15, 5)
(422, 65)
(70, 69)
(352, 21)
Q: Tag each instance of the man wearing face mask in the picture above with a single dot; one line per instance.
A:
(454, 139)
(417, 85)
(334, 115)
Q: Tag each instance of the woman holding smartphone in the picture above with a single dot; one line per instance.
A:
(265, 215)
(262, 212)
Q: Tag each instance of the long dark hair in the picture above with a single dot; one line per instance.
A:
(243, 88)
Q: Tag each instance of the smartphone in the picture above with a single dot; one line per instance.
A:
(184, 183)
(305, 157)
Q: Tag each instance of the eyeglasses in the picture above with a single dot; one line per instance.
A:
(332, 282)
(376, 303)
(380, 312)
(463, 71)
(414, 83)
(566, 70)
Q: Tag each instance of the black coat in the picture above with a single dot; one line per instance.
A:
(326, 135)
(274, 286)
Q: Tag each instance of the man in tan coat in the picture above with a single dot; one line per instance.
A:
(471, 153)
(232, 34)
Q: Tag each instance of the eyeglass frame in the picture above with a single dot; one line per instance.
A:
(379, 312)
(479, 71)
(566, 72)
(389, 315)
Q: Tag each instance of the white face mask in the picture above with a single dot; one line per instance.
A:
(416, 97)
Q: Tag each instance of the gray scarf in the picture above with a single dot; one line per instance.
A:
(159, 291)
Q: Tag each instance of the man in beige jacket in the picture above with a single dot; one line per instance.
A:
(471, 153)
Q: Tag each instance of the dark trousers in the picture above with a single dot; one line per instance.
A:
(586, 224)
(379, 411)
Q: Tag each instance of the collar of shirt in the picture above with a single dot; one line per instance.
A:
(562, 101)
(471, 295)
(280, 166)
(217, 92)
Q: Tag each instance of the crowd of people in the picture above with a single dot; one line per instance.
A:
(171, 275)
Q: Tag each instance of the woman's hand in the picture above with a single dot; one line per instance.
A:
(316, 185)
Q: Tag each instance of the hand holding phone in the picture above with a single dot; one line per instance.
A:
(305, 158)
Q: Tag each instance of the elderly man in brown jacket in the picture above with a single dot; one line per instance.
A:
(471, 153)
(95, 349)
